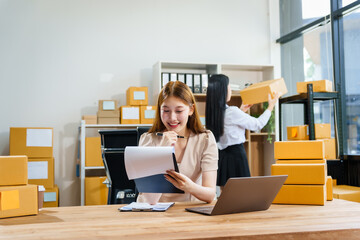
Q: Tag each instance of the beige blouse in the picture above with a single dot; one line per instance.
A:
(200, 155)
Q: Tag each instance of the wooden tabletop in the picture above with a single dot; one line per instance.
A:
(337, 219)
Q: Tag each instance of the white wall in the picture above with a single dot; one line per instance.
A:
(55, 57)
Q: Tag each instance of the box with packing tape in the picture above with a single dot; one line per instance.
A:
(93, 156)
(147, 114)
(318, 86)
(41, 172)
(302, 194)
(96, 191)
(136, 96)
(13, 170)
(51, 197)
(302, 149)
(130, 114)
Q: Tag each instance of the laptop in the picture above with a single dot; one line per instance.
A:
(245, 194)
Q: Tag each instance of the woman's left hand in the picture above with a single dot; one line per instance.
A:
(179, 180)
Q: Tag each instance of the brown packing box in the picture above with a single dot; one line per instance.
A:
(147, 114)
(13, 170)
(322, 130)
(93, 152)
(27, 201)
(108, 120)
(107, 105)
(302, 194)
(136, 96)
(130, 114)
(32, 142)
(297, 132)
(109, 114)
(329, 188)
(302, 149)
(95, 191)
(51, 197)
(318, 86)
(41, 172)
(90, 119)
(330, 148)
(345, 192)
(307, 161)
(258, 92)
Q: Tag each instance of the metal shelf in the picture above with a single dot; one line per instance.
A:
(303, 97)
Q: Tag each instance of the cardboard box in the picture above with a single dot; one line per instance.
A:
(32, 142)
(109, 114)
(297, 132)
(41, 172)
(329, 188)
(322, 130)
(108, 105)
(348, 193)
(93, 156)
(330, 148)
(96, 192)
(26, 199)
(130, 115)
(136, 96)
(301, 173)
(318, 86)
(147, 114)
(302, 194)
(307, 161)
(90, 119)
(13, 170)
(108, 120)
(299, 149)
(258, 92)
(51, 197)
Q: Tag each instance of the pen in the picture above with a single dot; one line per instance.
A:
(161, 134)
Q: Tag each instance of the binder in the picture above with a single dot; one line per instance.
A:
(165, 77)
(173, 77)
(197, 83)
(189, 79)
(181, 77)
(204, 82)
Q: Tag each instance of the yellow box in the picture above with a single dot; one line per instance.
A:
(330, 148)
(297, 132)
(32, 142)
(51, 197)
(147, 114)
(41, 172)
(9, 200)
(322, 130)
(301, 173)
(90, 119)
(299, 149)
(308, 161)
(258, 92)
(93, 156)
(329, 188)
(108, 105)
(136, 96)
(96, 192)
(130, 114)
(301, 194)
(13, 170)
(109, 114)
(108, 120)
(345, 192)
(27, 201)
(318, 86)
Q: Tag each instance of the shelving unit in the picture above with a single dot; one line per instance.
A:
(92, 130)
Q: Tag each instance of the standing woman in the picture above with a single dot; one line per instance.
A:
(228, 124)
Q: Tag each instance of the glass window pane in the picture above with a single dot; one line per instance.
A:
(352, 81)
(346, 2)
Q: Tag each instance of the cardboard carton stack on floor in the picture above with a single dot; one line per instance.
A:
(17, 197)
(37, 145)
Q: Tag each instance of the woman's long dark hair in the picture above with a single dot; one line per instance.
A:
(216, 96)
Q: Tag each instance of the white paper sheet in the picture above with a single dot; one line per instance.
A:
(38, 170)
(39, 137)
(130, 113)
(147, 161)
(108, 105)
(139, 95)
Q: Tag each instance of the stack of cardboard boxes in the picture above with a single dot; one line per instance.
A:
(37, 145)
(17, 197)
(108, 112)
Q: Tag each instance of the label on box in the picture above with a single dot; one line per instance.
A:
(108, 105)
(50, 197)
(139, 95)
(39, 137)
(149, 114)
(38, 170)
(130, 113)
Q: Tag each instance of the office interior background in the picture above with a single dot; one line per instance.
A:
(58, 58)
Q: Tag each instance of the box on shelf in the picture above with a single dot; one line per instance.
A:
(90, 119)
(93, 156)
(96, 192)
(108, 120)
(307, 161)
(51, 197)
(322, 130)
(13, 170)
(108, 114)
(32, 142)
(26, 199)
(297, 132)
(258, 92)
(301, 194)
(329, 188)
(108, 105)
(345, 192)
(330, 148)
(301, 173)
(136, 96)
(41, 172)
(318, 86)
(147, 114)
(130, 114)
(302, 149)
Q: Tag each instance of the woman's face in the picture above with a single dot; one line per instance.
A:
(175, 114)
(228, 93)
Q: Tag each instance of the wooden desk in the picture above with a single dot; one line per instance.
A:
(337, 219)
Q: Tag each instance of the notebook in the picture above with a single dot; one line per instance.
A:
(244, 195)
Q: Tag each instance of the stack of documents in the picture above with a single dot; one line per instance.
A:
(146, 207)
